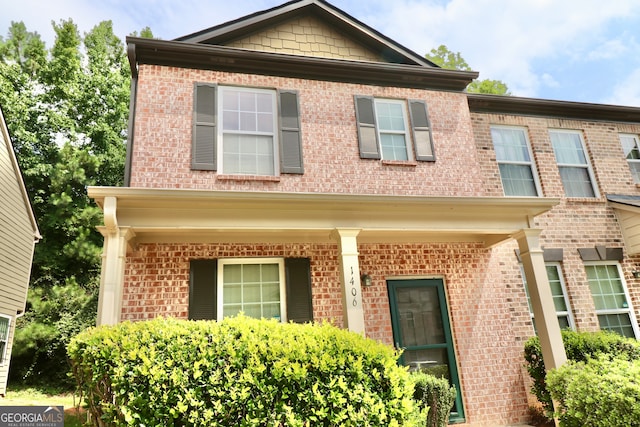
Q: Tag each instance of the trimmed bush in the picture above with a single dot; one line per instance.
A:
(601, 392)
(436, 395)
(239, 372)
(579, 346)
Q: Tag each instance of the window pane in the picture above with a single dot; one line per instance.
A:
(255, 289)
(517, 180)
(394, 147)
(620, 323)
(564, 322)
(510, 144)
(4, 329)
(248, 154)
(390, 116)
(576, 182)
(568, 148)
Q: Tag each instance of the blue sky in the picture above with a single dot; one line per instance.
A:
(573, 50)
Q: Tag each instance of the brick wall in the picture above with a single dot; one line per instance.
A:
(486, 300)
(575, 222)
(162, 150)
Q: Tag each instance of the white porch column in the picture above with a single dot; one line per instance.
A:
(112, 271)
(353, 313)
(539, 289)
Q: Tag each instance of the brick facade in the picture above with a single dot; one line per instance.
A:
(487, 304)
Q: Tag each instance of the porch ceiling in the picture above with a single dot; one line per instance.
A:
(175, 215)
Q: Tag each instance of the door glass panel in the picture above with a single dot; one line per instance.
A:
(421, 329)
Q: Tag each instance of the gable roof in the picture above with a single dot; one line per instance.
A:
(4, 131)
(351, 27)
(206, 49)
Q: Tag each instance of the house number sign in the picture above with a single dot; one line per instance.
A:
(354, 290)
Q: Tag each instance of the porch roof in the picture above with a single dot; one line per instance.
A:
(202, 216)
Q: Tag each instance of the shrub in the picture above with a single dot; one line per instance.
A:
(579, 346)
(435, 394)
(601, 392)
(239, 372)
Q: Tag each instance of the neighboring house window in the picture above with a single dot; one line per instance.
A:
(630, 145)
(253, 286)
(246, 131)
(611, 298)
(259, 287)
(575, 171)
(386, 131)
(5, 322)
(513, 154)
(559, 294)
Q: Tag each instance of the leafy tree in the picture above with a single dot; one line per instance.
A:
(445, 58)
(66, 110)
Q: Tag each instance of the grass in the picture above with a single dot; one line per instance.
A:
(40, 397)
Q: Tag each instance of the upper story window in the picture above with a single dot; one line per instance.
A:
(574, 167)
(246, 131)
(388, 130)
(611, 298)
(514, 157)
(631, 147)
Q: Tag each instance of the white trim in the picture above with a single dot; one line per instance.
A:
(629, 310)
(234, 261)
(3, 356)
(531, 163)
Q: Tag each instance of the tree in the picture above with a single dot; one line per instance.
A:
(66, 110)
(445, 58)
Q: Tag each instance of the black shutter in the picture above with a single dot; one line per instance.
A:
(203, 147)
(367, 133)
(290, 140)
(202, 289)
(422, 138)
(298, 276)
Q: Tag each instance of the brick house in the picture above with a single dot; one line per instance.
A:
(297, 164)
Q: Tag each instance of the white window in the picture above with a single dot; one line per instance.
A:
(5, 323)
(575, 170)
(391, 117)
(254, 286)
(559, 294)
(514, 157)
(611, 298)
(630, 145)
(248, 135)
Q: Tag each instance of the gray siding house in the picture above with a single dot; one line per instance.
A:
(18, 235)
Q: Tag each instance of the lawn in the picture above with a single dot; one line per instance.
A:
(36, 397)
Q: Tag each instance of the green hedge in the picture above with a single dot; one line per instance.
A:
(601, 392)
(435, 394)
(239, 372)
(579, 346)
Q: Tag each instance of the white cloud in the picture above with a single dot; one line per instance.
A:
(627, 92)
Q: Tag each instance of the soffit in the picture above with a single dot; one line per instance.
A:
(627, 209)
(513, 105)
(156, 215)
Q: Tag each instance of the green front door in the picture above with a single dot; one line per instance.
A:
(421, 328)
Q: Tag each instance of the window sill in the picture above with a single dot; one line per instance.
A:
(408, 163)
(262, 178)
